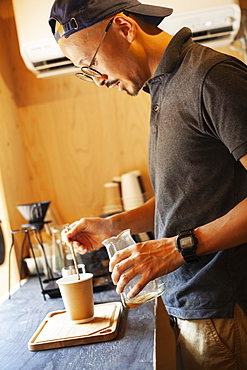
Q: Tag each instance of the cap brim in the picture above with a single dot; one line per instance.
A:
(154, 13)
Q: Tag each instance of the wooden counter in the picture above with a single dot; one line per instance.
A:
(20, 316)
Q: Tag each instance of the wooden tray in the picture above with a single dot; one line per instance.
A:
(57, 331)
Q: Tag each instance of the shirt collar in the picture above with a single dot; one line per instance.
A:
(172, 54)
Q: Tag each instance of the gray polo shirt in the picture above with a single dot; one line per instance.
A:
(198, 133)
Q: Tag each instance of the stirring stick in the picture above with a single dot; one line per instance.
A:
(74, 259)
(73, 255)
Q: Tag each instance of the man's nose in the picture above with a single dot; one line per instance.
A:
(100, 81)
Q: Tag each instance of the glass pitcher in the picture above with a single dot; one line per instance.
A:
(152, 290)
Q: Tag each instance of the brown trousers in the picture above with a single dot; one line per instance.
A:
(212, 344)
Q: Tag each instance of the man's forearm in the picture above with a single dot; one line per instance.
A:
(138, 220)
(225, 232)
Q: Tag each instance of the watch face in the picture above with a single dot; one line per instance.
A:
(186, 242)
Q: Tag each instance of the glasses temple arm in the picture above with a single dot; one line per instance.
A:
(106, 30)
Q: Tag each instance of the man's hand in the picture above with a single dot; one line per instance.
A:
(151, 259)
(87, 234)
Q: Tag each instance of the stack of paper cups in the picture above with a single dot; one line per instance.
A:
(131, 191)
(113, 201)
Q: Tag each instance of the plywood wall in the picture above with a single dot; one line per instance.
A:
(77, 139)
(14, 173)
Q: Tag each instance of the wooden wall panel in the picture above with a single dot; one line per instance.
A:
(14, 174)
(80, 140)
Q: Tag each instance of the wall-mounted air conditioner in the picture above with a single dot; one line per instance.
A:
(214, 23)
(39, 50)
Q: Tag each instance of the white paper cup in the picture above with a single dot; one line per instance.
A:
(112, 194)
(131, 205)
(132, 202)
(130, 186)
(70, 270)
(77, 297)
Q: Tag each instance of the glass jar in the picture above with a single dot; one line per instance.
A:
(152, 290)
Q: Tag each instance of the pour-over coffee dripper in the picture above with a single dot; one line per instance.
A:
(34, 213)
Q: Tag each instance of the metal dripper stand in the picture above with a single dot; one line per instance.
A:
(35, 213)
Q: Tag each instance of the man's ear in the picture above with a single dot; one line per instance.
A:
(126, 26)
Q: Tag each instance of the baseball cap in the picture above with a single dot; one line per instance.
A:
(76, 15)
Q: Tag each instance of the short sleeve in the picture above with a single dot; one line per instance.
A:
(225, 104)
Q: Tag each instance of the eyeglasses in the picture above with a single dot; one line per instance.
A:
(88, 73)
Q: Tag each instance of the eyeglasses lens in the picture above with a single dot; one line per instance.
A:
(87, 74)
(84, 77)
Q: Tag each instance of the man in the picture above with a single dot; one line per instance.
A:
(198, 162)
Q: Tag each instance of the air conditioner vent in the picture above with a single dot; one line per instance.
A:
(213, 34)
(213, 31)
(52, 61)
(53, 67)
